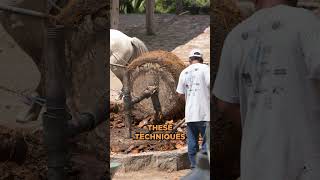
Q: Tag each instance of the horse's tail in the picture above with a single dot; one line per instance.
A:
(139, 48)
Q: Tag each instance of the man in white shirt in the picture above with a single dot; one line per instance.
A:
(194, 86)
(270, 66)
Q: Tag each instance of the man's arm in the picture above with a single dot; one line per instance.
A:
(226, 88)
(315, 83)
(207, 76)
(230, 111)
(226, 83)
(180, 87)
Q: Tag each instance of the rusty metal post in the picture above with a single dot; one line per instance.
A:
(55, 117)
(127, 102)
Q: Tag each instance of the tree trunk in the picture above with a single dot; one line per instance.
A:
(115, 14)
(150, 5)
(179, 6)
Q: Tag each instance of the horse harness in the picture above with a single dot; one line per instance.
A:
(118, 58)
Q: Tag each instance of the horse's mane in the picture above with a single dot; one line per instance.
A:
(139, 48)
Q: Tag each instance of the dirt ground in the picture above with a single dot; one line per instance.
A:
(18, 162)
(178, 34)
(151, 175)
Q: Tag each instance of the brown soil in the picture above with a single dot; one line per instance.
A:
(84, 163)
(120, 144)
(35, 165)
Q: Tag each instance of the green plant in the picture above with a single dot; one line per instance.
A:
(162, 6)
(165, 6)
(198, 3)
(132, 6)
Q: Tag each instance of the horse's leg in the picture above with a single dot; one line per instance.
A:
(33, 111)
(118, 72)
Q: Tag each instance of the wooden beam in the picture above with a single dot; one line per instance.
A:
(150, 5)
(114, 14)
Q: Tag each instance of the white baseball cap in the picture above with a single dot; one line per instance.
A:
(195, 53)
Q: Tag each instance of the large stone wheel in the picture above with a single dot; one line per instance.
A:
(162, 69)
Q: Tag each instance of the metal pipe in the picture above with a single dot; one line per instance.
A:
(23, 11)
(55, 117)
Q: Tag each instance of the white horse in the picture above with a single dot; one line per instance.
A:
(123, 49)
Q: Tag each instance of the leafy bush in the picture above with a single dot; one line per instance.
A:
(162, 6)
(197, 3)
(132, 6)
(165, 6)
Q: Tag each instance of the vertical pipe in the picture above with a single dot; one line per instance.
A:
(127, 102)
(55, 117)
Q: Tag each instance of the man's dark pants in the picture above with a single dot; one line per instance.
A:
(193, 131)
